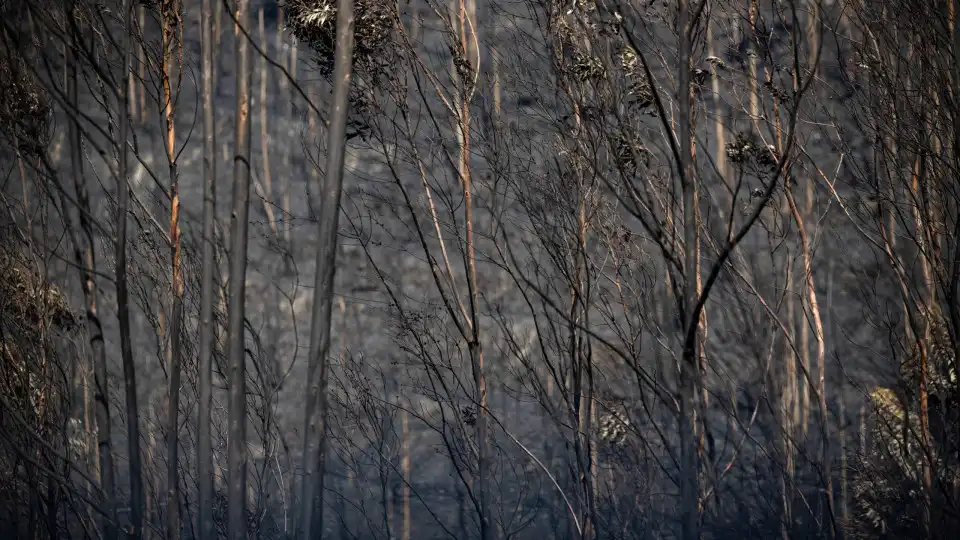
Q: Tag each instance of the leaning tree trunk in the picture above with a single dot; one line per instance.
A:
(85, 257)
(327, 208)
(123, 301)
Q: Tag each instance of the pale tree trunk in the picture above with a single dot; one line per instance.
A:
(207, 292)
(237, 451)
(132, 85)
(810, 284)
(466, 11)
(327, 208)
(123, 302)
(821, 360)
(803, 388)
(266, 190)
(288, 117)
(752, 15)
(720, 134)
(813, 34)
(699, 422)
(787, 410)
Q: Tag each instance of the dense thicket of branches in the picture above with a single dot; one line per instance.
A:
(591, 269)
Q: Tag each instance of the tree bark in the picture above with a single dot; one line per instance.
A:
(467, 17)
(267, 189)
(123, 302)
(237, 451)
(690, 369)
(327, 208)
(170, 15)
(207, 292)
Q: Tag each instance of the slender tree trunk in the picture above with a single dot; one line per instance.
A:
(928, 305)
(804, 388)
(583, 396)
(170, 15)
(132, 83)
(689, 376)
(405, 466)
(813, 34)
(286, 164)
(123, 302)
(811, 291)
(237, 452)
(953, 294)
(813, 43)
(720, 134)
(267, 191)
(142, 65)
(85, 257)
(788, 417)
(328, 212)
(752, 64)
(844, 507)
(218, 34)
(150, 437)
(207, 292)
(53, 504)
(467, 21)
